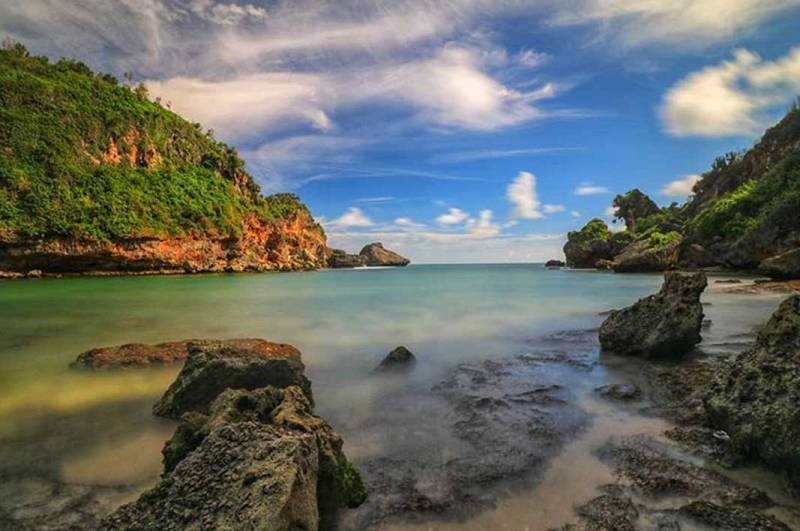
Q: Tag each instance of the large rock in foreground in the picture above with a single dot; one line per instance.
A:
(210, 369)
(667, 323)
(375, 254)
(260, 460)
(141, 355)
(756, 400)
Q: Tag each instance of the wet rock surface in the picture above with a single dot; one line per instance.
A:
(495, 422)
(210, 369)
(260, 460)
(755, 398)
(398, 360)
(141, 355)
(620, 391)
(665, 324)
(657, 489)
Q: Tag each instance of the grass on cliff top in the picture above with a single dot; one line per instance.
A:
(58, 119)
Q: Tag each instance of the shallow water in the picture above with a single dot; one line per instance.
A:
(96, 428)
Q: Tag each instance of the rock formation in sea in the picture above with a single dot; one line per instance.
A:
(741, 215)
(210, 369)
(144, 192)
(755, 399)
(260, 459)
(554, 264)
(665, 324)
(373, 255)
(399, 359)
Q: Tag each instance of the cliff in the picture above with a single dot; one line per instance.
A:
(742, 215)
(97, 178)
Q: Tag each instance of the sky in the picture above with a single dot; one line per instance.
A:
(450, 130)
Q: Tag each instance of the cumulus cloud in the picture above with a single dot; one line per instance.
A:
(483, 227)
(590, 189)
(454, 216)
(354, 217)
(408, 223)
(681, 187)
(683, 23)
(522, 194)
(730, 98)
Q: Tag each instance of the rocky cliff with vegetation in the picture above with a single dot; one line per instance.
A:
(96, 177)
(742, 215)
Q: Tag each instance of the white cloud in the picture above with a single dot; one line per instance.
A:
(380, 199)
(531, 58)
(553, 209)
(483, 227)
(611, 211)
(226, 14)
(590, 189)
(522, 194)
(407, 223)
(479, 154)
(730, 98)
(681, 187)
(684, 23)
(354, 217)
(575, 213)
(454, 216)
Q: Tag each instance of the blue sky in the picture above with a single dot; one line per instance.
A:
(451, 130)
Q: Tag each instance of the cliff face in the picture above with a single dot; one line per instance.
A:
(289, 244)
(96, 178)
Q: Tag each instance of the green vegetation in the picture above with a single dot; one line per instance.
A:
(84, 156)
(751, 204)
(595, 230)
(660, 239)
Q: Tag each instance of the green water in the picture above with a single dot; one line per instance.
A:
(96, 428)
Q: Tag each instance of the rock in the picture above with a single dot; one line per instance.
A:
(339, 259)
(728, 281)
(642, 256)
(375, 254)
(259, 460)
(34, 273)
(633, 206)
(604, 265)
(620, 391)
(717, 517)
(786, 265)
(141, 355)
(695, 255)
(592, 243)
(706, 324)
(554, 264)
(210, 369)
(400, 359)
(755, 398)
(667, 323)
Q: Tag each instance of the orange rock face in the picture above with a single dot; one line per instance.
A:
(295, 243)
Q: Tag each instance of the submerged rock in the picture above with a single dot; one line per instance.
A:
(375, 254)
(620, 391)
(259, 460)
(755, 399)
(141, 355)
(667, 323)
(400, 359)
(212, 368)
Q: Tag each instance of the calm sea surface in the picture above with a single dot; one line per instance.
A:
(96, 428)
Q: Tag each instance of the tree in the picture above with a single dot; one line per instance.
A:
(632, 206)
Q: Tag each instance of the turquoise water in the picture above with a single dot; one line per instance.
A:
(58, 424)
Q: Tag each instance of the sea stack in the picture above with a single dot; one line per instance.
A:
(665, 324)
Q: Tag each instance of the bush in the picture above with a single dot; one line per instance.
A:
(660, 239)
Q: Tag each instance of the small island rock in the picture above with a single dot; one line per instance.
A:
(375, 254)
(210, 369)
(667, 323)
(554, 264)
(400, 359)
